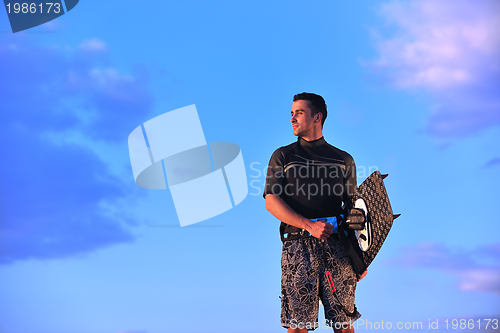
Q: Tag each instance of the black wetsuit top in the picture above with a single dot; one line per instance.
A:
(312, 177)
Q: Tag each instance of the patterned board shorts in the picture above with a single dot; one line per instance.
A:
(303, 283)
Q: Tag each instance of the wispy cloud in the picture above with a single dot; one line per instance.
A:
(94, 44)
(52, 188)
(450, 49)
(493, 162)
(478, 270)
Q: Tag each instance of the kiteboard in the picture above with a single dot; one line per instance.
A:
(365, 243)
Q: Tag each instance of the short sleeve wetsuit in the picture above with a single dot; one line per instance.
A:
(312, 177)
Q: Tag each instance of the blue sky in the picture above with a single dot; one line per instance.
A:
(411, 89)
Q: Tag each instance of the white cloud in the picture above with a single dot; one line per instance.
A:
(452, 50)
(483, 279)
(71, 123)
(478, 270)
(109, 76)
(94, 44)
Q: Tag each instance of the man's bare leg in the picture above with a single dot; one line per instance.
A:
(340, 330)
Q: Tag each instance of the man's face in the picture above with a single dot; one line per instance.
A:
(302, 119)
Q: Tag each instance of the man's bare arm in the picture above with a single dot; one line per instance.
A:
(276, 206)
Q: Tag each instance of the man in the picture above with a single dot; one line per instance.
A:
(309, 180)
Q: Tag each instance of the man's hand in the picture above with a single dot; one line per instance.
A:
(321, 229)
(283, 212)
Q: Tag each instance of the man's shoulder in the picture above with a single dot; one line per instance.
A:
(285, 149)
(345, 155)
(281, 155)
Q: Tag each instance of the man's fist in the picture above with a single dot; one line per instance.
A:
(320, 229)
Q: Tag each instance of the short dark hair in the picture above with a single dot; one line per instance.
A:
(316, 102)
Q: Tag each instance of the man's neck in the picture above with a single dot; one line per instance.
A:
(313, 136)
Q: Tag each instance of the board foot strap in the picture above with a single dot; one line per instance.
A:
(357, 263)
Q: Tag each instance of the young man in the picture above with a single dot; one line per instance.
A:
(308, 180)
